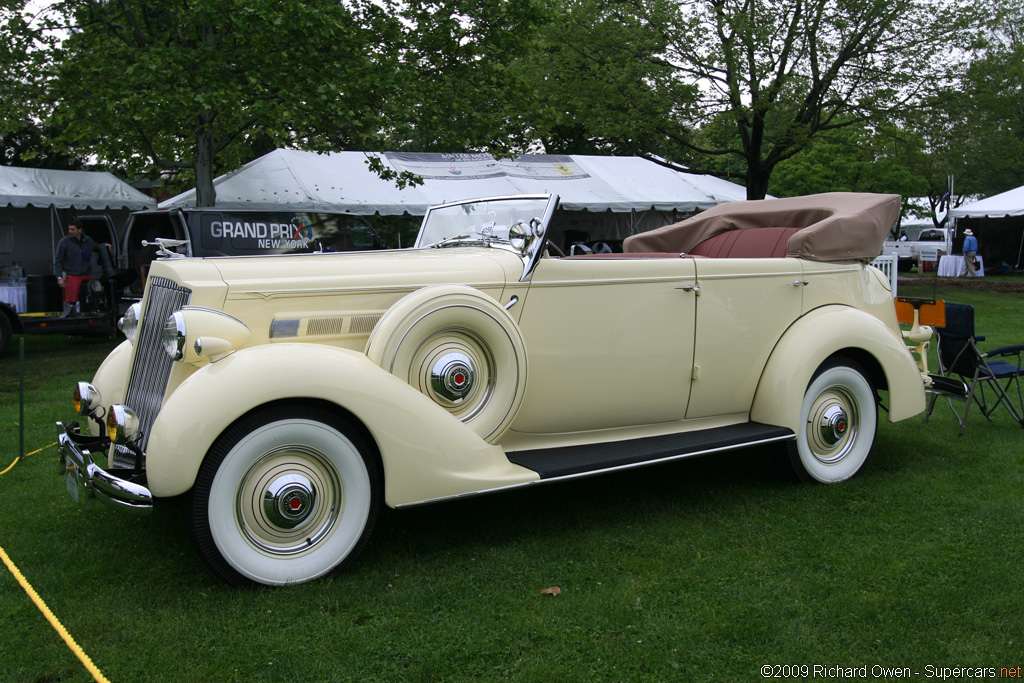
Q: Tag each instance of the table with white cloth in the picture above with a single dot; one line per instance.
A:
(953, 265)
(15, 295)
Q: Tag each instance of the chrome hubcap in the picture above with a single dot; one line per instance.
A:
(452, 376)
(455, 368)
(832, 425)
(289, 501)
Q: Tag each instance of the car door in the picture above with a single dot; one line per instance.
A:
(609, 343)
(101, 229)
(744, 307)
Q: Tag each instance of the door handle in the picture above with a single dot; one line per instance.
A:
(690, 288)
(799, 283)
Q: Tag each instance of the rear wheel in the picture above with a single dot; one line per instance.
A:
(286, 495)
(6, 332)
(838, 422)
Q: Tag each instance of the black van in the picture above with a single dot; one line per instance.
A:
(212, 231)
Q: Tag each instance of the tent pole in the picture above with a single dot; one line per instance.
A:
(53, 243)
(1019, 252)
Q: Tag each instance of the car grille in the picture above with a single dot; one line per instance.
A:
(151, 367)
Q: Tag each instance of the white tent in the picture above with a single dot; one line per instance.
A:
(36, 204)
(604, 198)
(1009, 203)
(344, 181)
(997, 215)
(39, 187)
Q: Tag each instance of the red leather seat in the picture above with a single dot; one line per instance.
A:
(749, 243)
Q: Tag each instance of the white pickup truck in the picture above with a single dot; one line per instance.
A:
(909, 251)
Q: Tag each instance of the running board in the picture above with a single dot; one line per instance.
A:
(571, 461)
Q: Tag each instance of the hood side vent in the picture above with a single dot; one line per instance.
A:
(341, 325)
(364, 324)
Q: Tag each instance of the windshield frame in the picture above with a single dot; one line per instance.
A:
(492, 230)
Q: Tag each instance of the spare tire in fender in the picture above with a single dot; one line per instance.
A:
(460, 348)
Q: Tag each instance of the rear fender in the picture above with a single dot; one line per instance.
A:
(826, 332)
(425, 451)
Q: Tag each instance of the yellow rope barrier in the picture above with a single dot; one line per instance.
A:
(11, 466)
(18, 459)
(54, 621)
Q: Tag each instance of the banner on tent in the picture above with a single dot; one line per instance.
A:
(475, 166)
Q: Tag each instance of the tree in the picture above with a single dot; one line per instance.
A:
(970, 126)
(984, 113)
(595, 82)
(788, 71)
(23, 49)
(457, 83)
(198, 85)
(743, 85)
(856, 158)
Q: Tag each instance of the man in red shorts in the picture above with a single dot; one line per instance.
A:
(73, 263)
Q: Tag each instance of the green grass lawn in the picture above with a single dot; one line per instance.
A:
(703, 570)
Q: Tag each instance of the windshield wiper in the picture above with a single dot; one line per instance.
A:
(474, 238)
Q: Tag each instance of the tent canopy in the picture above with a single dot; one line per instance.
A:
(1009, 203)
(95, 190)
(344, 181)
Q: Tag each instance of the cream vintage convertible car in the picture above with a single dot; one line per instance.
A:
(292, 396)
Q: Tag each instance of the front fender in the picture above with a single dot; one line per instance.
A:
(111, 378)
(426, 452)
(814, 338)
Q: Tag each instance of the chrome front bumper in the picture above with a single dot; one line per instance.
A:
(81, 472)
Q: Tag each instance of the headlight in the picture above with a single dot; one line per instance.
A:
(87, 398)
(173, 336)
(122, 423)
(198, 335)
(129, 322)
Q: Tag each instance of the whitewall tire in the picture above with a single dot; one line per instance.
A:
(838, 423)
(288, 494)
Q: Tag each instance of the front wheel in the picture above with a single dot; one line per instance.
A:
(838, 422)
(286, 495)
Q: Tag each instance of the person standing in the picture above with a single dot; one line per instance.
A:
(970, 253)
(72, 263)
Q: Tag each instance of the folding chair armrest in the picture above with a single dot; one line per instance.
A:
(979, 337)
(1014, 350)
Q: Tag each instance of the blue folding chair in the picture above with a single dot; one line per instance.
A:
(960, 356)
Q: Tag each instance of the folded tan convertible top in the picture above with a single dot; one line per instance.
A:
(834, 226)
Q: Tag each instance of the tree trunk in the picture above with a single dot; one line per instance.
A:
(757, 181)
(206, 195)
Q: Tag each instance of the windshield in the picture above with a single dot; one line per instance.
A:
(483, 221)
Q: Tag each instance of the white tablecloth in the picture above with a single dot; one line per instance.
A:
(952, 266)
(15, 295)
